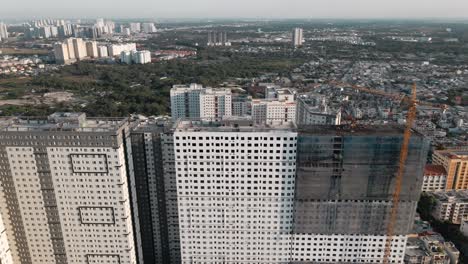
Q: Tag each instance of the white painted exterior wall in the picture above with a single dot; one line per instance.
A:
(273, 112)
(215, 103)
(434, 183)
(236, 198)
(249, 200)
(5, 252)
(93, 206)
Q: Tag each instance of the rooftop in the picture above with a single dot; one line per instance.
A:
(230, 125)
(460, 196)
(77, 122)
(432, 169)
(454, 153)
(361, 130)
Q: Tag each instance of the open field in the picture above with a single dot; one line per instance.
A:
(19, 51)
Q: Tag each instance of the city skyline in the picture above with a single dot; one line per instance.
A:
(319, 9)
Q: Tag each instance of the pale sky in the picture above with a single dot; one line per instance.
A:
(234, 9)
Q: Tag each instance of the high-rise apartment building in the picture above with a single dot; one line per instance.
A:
(279, 110)
(185, 101)
(3, 31)
(61, 53)
(5, 251)
(80, 48)
(218, 39)
(71, 49)
(455, 163)
(252, 193)
(102, 51)
(92, 49)
(196, 102)
(148, 27)
(116, 49)
(65, 190)
(215, 103)
(312, 109)
(297, 37)
(344, 187)
(235, 189)
(135, 27)
(241, 105)
(156, 192)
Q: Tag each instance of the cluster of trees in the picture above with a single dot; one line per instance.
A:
(120, 90)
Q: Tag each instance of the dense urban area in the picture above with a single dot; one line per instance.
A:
(229, 141)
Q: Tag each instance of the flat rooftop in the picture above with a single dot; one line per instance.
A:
(360, 130)
(460, 196)
(455, 153)
(431, 169)
(240, 125)
(73, 122)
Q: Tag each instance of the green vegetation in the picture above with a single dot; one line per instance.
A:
(120, 90)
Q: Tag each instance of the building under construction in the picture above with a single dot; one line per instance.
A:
(286, 194)
(344, 189)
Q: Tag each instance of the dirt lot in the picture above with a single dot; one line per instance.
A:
(14, 51)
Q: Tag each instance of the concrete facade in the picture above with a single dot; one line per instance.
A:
(153, 162)
(244, 196)
(63, 177)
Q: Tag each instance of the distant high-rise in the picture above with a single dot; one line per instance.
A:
(80, 48)
(102, 51)
(274, 111)
(148, 27)
(215, 104)
(71, 49)
(65, 195)
(297, 37)
(218, 39)
(135, 27)
(91, 49)
(61, 53)
(196, 102)
(185, 101)
(100, 22)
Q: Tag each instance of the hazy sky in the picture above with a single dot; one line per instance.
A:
(235, 8)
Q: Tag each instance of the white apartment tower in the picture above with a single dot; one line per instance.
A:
(71, 49)
(61, 53)
(235, 193)
(135, 27)
(279, 110)
(102, 51)
(297, 37)
(185, 101)
(148, 27)
(65, 190)
(80, 48)
(92, 49)
(215, 103)
(3, 31)
(5, 251)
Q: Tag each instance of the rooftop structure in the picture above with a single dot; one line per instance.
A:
(435, 178)
(61, 122)
(451, 206)
(455, 162)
